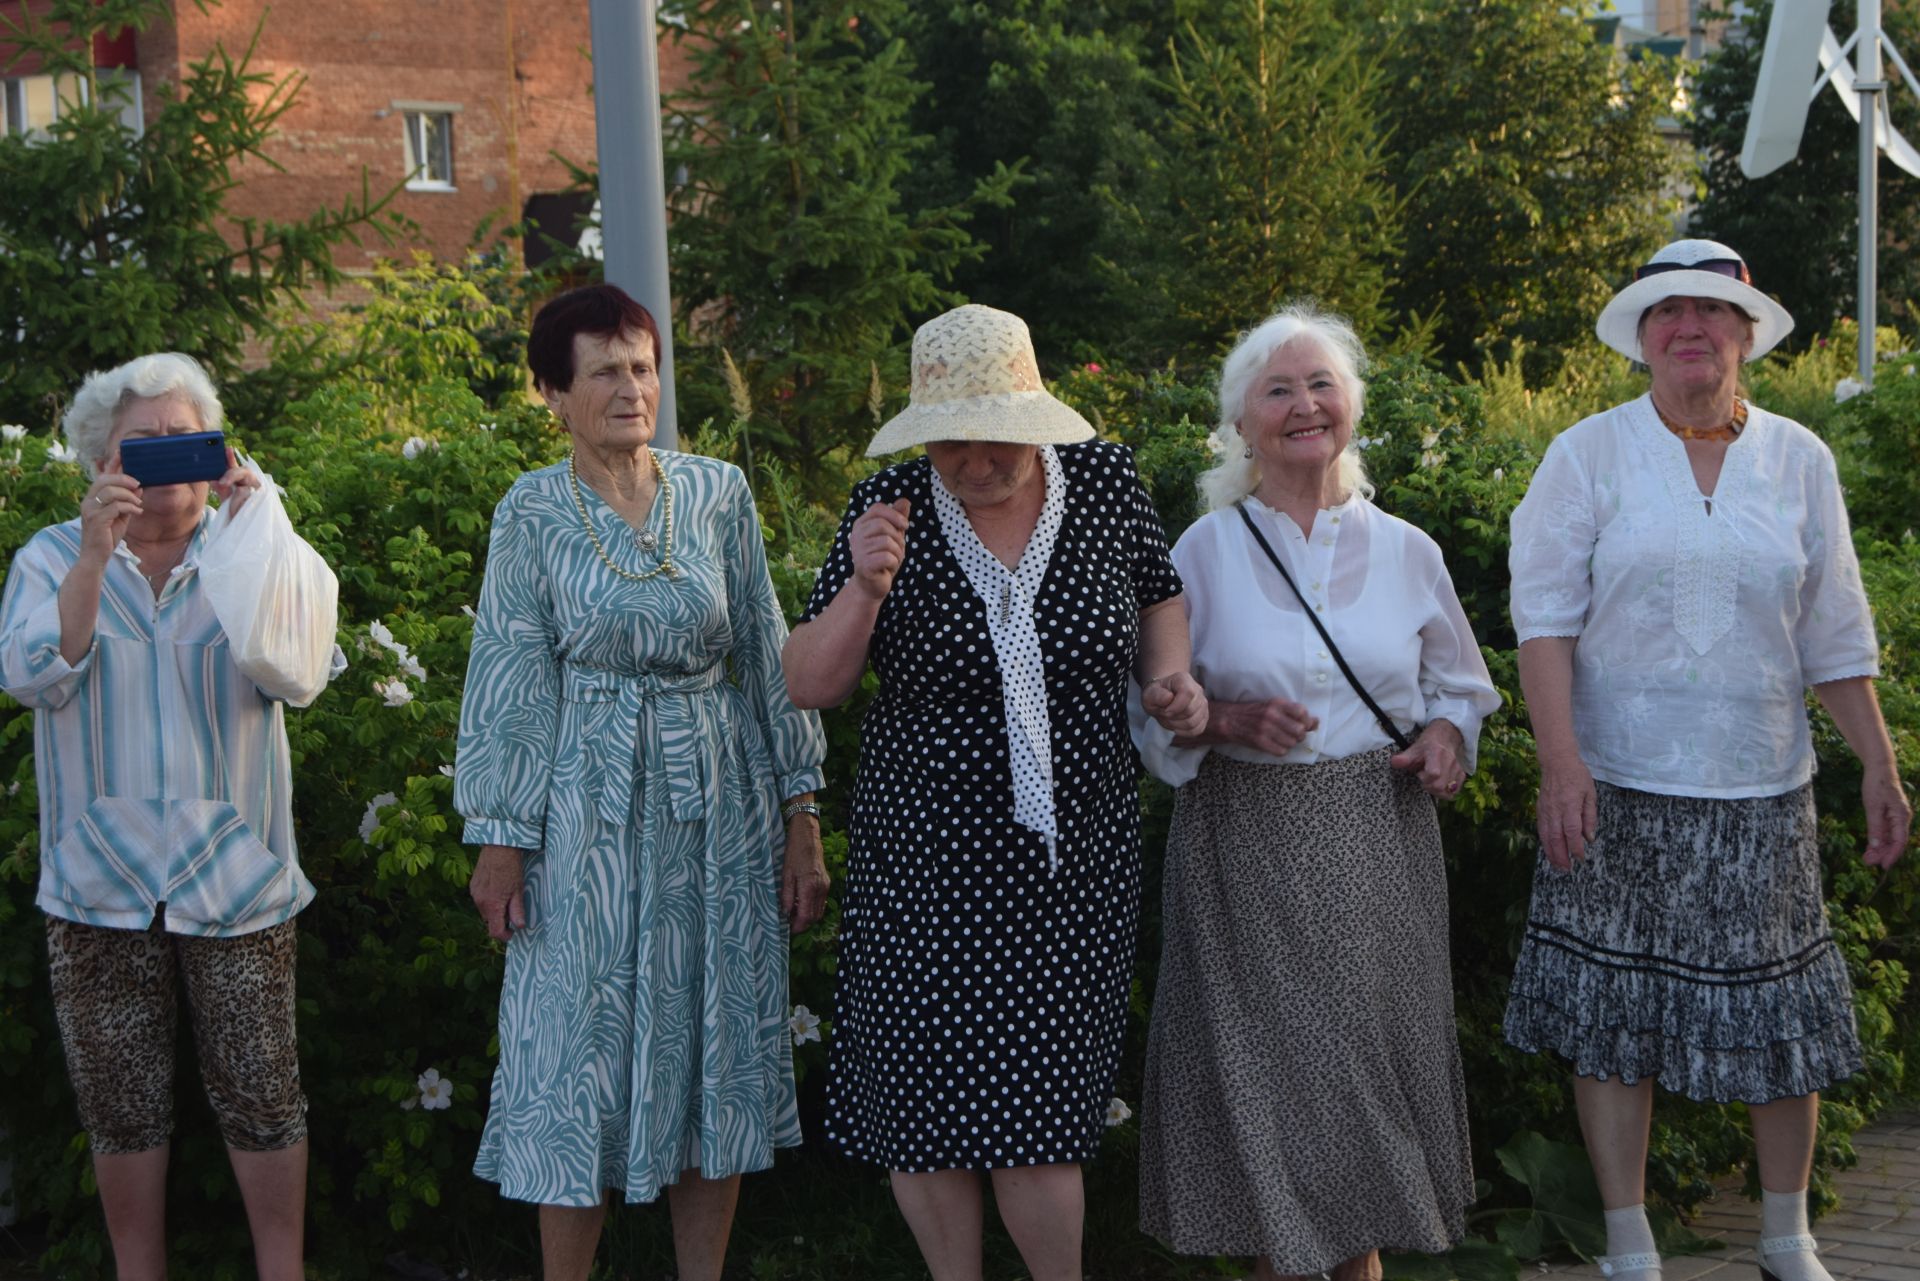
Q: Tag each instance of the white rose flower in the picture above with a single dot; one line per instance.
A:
(371, 819)
(411, 665)
(418, 445)
(60, 452)
(435, 1091)
(805, 1025)
(13, 431)
(447, 770)
(1846, 389)
(377, 633)
(394, 691)
(1117, 1111)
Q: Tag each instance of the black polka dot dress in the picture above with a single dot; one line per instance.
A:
(982, 994)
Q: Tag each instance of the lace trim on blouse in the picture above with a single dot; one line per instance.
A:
(1708, 548)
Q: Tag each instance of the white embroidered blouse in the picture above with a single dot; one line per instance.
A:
(1700, 623)
(1381, 589)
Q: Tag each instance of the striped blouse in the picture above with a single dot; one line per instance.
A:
(163, 773)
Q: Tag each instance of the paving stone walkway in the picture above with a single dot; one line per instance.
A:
(1874, 1235)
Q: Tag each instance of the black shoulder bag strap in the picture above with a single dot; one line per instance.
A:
(1400, 740)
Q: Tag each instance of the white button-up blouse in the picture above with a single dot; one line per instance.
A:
(1382, 591)
(1700, 624)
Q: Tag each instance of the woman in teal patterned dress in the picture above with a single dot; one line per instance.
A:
(627, 756)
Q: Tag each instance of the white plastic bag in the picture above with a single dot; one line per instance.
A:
(276, 599)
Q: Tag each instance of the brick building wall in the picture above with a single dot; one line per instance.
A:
(513, 75)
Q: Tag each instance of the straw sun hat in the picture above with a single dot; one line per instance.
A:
(975, 378)
(1692, 269)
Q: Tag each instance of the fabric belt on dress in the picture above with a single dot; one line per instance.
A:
(676, 732)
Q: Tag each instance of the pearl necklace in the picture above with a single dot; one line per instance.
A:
(645, 537)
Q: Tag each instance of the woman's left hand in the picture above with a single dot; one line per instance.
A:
(1177, 702)
(803, 882)
(1437, 757)
(237, 484)
(1889, 817)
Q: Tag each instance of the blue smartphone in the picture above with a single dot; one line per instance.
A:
(174, 460)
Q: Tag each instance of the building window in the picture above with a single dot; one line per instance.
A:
(31, 103)
(429, 150)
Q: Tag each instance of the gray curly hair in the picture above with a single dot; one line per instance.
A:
(1235, 475)
(96, 407)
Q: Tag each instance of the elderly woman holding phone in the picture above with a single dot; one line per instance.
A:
(1682, 575)
(1304, 1100)
(641, 790)
(166, 826)
(1004, 587)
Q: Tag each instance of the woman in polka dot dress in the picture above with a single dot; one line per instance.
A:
(1004, 587)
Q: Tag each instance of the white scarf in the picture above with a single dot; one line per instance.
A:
(1009, 596)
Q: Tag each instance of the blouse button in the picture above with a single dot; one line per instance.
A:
(1320, 678)
(1323, 653)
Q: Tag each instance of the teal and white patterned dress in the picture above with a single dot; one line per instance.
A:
(635, 738)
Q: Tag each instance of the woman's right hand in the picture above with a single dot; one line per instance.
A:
(1273, 725)
(1566, 813)
(112, 501)
(879, 544)
(498, 890)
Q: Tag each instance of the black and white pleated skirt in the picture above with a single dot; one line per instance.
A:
(1691, 946)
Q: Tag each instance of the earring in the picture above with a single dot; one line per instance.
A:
(1248, 451)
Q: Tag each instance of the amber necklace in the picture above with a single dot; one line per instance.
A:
(1729, 430)
(643, 537)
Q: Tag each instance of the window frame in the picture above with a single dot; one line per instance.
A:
(419, 123)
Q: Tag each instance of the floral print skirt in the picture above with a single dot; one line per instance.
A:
(1304, 1097)
(1690, 945)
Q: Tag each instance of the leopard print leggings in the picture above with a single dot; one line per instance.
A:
(116, 998)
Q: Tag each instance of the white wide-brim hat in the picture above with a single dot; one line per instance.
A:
(1692, 269)
(975, 378)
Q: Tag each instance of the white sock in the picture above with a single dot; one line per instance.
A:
(1784, 1214)
(1628, 1232)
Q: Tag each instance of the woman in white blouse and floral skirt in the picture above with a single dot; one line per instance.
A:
(1303, 1098)
(1682, 574)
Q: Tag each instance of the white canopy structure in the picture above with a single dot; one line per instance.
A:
(1798, 41)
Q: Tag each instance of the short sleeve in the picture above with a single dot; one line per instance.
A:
(1550, 556)
(1834, 635)
(1154, 577)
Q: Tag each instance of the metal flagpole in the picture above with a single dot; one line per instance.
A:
(1870, 86)
(633, 185)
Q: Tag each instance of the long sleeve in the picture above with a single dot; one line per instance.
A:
(795, 740)
(1551, 552)
(1834, 634)
(31, 668)
(511, 705)
(1454, 681)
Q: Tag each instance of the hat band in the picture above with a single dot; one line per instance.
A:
(1718, 266)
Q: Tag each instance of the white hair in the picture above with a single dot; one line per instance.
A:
(97, 405)
(1235, 475)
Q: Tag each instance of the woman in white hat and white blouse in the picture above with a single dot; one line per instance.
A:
(1682, 574)
(1304, 1100)
(1005, 587)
